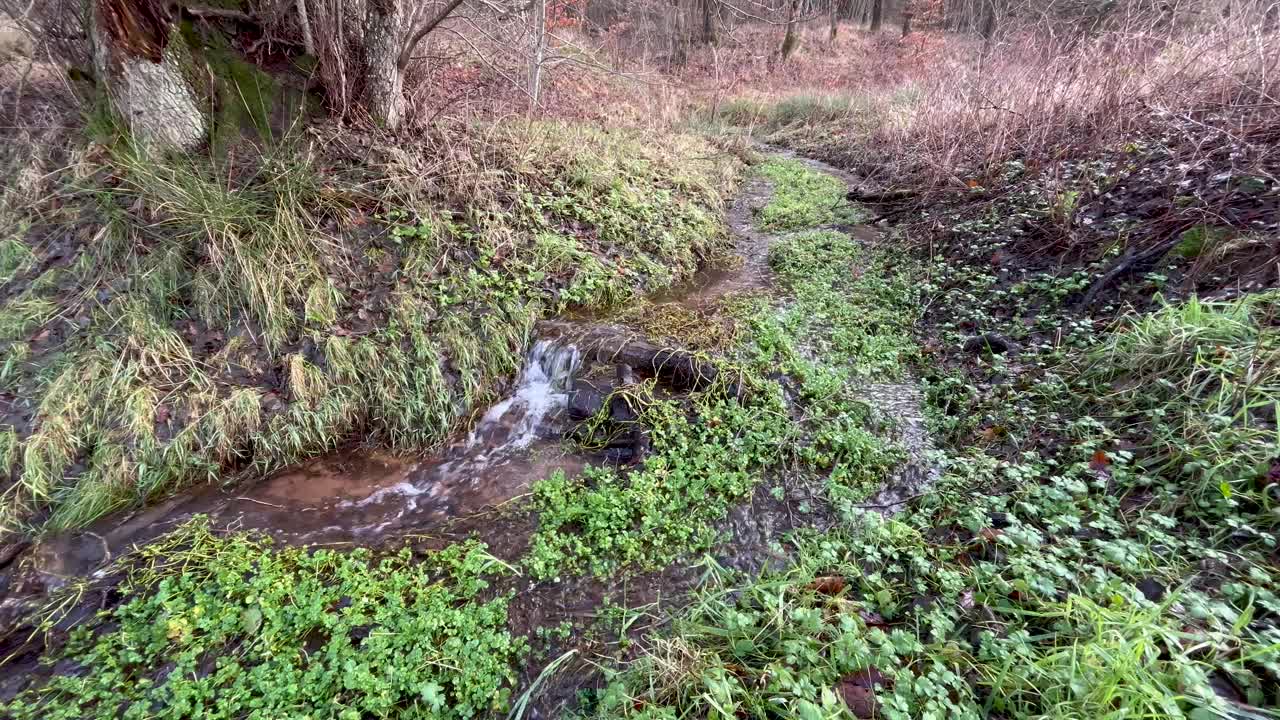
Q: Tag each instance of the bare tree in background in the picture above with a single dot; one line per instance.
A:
(877, 14)
(709, 21)
(390, 39)
(679, 34)
(539, 51)
(790, 40)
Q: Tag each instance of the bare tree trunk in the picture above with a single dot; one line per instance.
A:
(906, 22)
(988, 25)
(877, 14)
(145, 65)
(304, 22)
(539, 50)
(790, 41)
(384, 40)
(679, 35)
(708, 22)
(835, 21)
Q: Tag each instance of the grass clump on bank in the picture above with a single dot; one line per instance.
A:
(799, 643)
(204, 320)
(228, 627)
(1200, 382)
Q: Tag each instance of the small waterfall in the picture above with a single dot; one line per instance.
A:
(530, 412)
(540, 396)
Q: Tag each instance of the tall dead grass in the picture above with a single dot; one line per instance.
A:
(1037, 98)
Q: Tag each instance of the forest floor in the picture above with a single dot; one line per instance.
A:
(621, 423)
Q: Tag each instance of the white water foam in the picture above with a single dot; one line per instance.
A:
(541, 394)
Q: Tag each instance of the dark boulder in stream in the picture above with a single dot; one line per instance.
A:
(586, 398)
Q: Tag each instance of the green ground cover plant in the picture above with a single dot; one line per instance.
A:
(208, 319)
(841, 320)
(802, 198)
(231, 627)
(1100, 544)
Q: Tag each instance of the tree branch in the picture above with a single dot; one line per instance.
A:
(407, 53)
(201, 11)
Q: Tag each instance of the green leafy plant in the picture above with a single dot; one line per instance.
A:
(229, 627)
(802, 198)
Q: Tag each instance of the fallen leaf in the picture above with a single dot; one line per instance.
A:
(858, 692)
(989, 535)
(827, 585)
(992, 433)
(873, 619)
(1100, 461)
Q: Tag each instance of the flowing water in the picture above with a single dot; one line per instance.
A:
(361, 496)
(516, 442)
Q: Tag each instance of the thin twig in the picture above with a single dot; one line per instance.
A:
(260, 502)
(896, 503)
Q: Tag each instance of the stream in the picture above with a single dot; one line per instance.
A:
(368, 497)
(364, 496)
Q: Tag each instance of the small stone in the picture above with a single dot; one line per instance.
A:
(989, 342)
(626, 375)
(1151, 589)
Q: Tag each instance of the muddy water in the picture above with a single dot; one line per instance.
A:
(749, 269)
(362, 496)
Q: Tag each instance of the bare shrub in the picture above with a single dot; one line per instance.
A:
(1036, 97)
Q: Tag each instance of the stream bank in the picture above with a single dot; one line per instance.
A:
(769, 423)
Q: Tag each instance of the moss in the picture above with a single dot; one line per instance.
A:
(1195, 241)
(244, 97)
